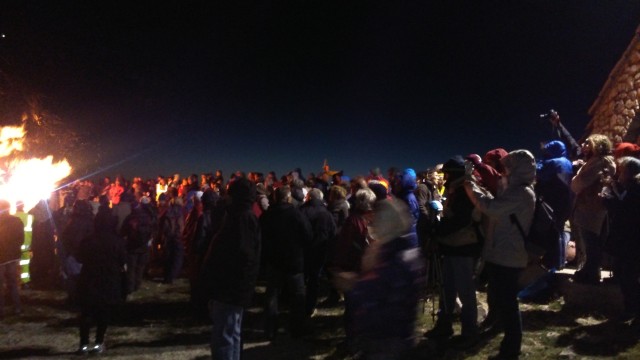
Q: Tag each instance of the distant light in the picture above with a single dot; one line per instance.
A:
(3, 35)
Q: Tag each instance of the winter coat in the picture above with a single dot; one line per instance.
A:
(407, 186)
(352, 242)
(340, 212)
(139, 228)
(589, 211)
(504, 244)
(455, 217)
(322, 224)
(553, 179)
(624, 234)
(285, 233)
(79, 227)
(103, 256)
(232, 263)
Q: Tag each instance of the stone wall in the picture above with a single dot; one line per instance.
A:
(618, 103)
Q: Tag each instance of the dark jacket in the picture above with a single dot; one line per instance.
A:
(322, 224)
(624, 233)
(231, 266)
(340, 212)
(352, 242)
(286, 233)
(11, 237)
(79, 227)
(456, 216)
(102, 255)
(139, 228)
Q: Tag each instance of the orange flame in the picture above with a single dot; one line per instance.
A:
(26, 180)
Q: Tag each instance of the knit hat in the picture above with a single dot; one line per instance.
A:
(626, 149)
(454, 165)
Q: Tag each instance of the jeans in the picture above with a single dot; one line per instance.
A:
(294, 283)
(9, 272)
(457, 281)
(226, 333)
(503, 284)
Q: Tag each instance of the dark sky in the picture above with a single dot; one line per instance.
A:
(194, 86)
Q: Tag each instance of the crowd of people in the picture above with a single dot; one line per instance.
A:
(378, 240)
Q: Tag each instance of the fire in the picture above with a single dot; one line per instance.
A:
(26, 180)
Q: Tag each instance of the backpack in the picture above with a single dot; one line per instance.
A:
(543, 241)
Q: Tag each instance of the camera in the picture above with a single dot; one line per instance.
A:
(550, 115)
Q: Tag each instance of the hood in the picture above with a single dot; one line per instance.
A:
(521, 166)
(554, 149)
(408, 180)
(626, 149)
(242, 193)
(493, 157)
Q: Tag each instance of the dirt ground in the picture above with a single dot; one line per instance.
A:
(157, 323)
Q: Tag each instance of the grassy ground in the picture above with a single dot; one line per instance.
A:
(156, 323)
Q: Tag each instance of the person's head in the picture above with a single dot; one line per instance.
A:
(5, 206)
(357, 183)
(82, 207)
(520, 167)
(337, 193)
(283, 194)
(193, 179)
(365, 198)
(626, 149)
(596, 145)
(628, 172)
(315, 194)
(493, 157)
(554, 149)
(407, 180)
(453, 168)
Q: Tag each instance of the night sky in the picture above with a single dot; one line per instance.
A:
(190, 87)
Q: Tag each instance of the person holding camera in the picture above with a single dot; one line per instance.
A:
(504, 250)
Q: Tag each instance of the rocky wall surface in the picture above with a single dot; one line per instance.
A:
(619, 102)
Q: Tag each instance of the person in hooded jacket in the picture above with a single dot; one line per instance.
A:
(230, 269)
(406, 185)
(553, 179)
(553, 184)
(504, 247)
